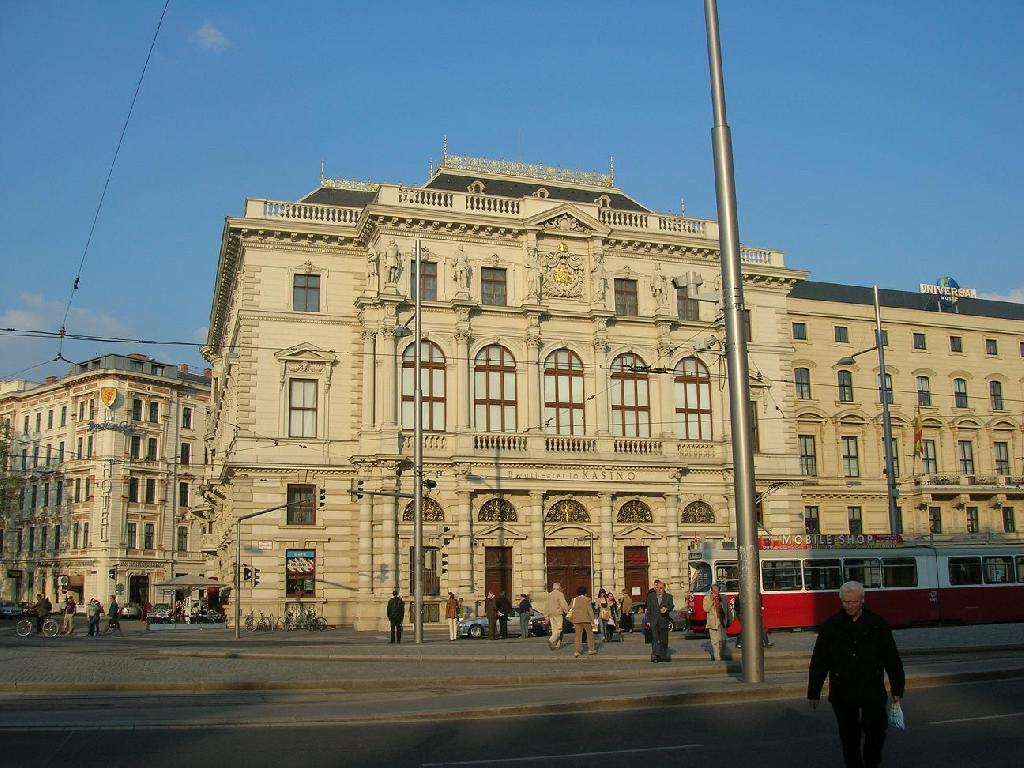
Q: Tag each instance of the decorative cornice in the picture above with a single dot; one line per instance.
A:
(355, 186)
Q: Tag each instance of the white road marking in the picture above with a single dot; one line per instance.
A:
(538, 758)
(975, 719)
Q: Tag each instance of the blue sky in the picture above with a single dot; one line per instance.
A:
(874, 141)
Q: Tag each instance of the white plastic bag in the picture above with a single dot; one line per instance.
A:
(896, 716)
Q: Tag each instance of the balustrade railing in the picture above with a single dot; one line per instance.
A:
(492, 204)
(432, 197)
(499, 442)
(570, 444)
(327, 214)
(638, 447)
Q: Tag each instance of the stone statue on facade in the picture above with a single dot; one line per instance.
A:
(599, 278)
(659, 287)
(460, 272)
(372, 273)
(534, 278)
(392, 263)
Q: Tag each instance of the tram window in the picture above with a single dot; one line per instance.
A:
(728, 575)
(781, 575)
(964, 570)
(822, 575)
(998, 569)
(866, 570)
(899, 572)
(1020, 569)
(700, 577)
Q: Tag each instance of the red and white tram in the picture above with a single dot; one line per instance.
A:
(906, 584)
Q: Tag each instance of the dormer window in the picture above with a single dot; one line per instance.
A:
(476, 188)
(541, 193)
(604, 201)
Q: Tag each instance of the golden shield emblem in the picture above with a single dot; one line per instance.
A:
(108, 396)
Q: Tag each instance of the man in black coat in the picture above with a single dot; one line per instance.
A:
(855, 650)
(504, 611)
(396, 615)
(659, 606)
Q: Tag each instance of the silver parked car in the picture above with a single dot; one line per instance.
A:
(477, 626)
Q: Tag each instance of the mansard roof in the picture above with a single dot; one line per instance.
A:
(348, 198)
(857, 294)
(511, 187)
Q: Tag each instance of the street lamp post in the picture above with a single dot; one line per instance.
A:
(418, 455)
(883, 392)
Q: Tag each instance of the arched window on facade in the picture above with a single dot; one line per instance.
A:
(631, 409)
(497, 511)
(563, 393)
(432, 512)
(693, 400)
(433, 378)
(567, 511)
(698, 512)
(634, 511)
(494, 390)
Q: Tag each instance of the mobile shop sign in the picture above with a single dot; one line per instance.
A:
(831, 541)
(948, 291)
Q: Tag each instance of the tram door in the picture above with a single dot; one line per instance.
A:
(636, 572)
(570, 567)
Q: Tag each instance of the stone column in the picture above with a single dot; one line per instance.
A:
(369, 364)
(607, 542)
(534, 402)
(535, 580)
(365, 560)
(463, 388)
(673, 505)
(462, 556)
(391, 364)
(602, 381)
(663, 405)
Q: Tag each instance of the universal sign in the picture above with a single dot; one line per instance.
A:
(948, 291)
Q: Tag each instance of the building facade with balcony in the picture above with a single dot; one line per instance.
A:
(955, 378)
(574, 398)
(103, 470)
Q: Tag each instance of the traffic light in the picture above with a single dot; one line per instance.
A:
(446, 538)
(323, 498)
(429, 484)
(357, 489)
(246, 572)
(112, 573)
(444, 561)
(255, 577)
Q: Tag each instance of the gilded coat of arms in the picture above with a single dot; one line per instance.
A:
(563, 273)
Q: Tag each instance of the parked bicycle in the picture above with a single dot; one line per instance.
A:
(304, 619)
(27, 625)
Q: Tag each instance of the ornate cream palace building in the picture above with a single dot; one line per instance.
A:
(103, 467)
(575, 403)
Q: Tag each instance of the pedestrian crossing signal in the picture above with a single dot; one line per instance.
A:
(357, 489)
(323, 498)
(255, 577)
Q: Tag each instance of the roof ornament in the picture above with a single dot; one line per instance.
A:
(444, 154)
(321, 171)
(611, 169)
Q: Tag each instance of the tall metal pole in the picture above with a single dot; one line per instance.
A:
(418, 458)
(238, 576)
(883, 392)
(736, 361)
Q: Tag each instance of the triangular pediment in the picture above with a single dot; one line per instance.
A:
(567, 219)
(638, 532)
(307, 353)
(500, 531)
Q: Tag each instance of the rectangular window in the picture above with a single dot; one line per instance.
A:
(972, 520)
(851, 460)
(44, 533)
(935, 519)
(154, 412)
(147, 536)
(133, 489)
(885, 338)
(306, 293)
(46, 495)
(302, 397)
(956, 344)
(842, 334)
(924, 390)
(866, 570)
(151, 449)
(59, 492)
(85, 535)
(301, 505)
(747, 327)
(88, 488)
(92, 409)
(185, 457)
(625, 297)
(31, 539)
(39, 421)
(63, 415)
(1002, 458)
(998, 569)
(88, 447)
(49, 419)
(299, 572)
(135, 449)
(60, 452)
(812, 521)
(899, 572)
(898, 520)
(78, 489)
(136, 409)
(75, 532)
(808, 456)
(965, 454)
(853, 514)
(493, 286)
(150, 491)
(428, 273)
(800, 331)
(991, 347)
(130, 535)
(182, 495)
(182, 543)
(822, 575)
(1009, 520)
(845, 381)
(920, 341)
(885, 389)
(781, 576)
(964, 570)
(81, 413)
(929, 458)
(894, 445)
(802, 379)
(35, 496)
(687, 309)
(186, 417)
(995, 392)
(960, 393)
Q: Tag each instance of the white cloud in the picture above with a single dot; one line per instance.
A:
(1015, 295)
(209, 37)
(199, 335)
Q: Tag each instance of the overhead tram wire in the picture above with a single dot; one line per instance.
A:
(106, 184)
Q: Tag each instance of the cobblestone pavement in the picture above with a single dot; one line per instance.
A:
(345, 658)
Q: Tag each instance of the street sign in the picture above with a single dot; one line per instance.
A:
(264, 545)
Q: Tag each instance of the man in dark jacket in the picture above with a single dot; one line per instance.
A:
(659, 606)
(855, 650)
(504, 611)
(396, 615)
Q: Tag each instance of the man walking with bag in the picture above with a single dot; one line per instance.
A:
(855, 650)
(555, 611)
(659, 606)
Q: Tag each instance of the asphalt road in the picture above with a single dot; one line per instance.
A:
(967, 724)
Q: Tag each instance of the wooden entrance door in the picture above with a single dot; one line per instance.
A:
(498, 570)
(570, 567)
(636, 568)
